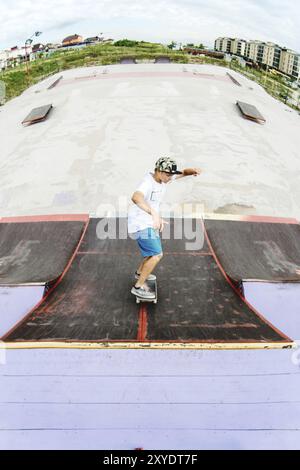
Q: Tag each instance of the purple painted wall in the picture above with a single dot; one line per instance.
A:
(15, 303)
(124, 399)
(278, 303)
(85, 399)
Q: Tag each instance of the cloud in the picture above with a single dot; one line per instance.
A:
(160, 20)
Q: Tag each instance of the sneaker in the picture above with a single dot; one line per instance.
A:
(142, 293)
(151, 277)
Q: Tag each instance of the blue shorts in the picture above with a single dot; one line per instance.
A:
(149, 242)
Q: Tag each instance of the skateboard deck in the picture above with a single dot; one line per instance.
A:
(153, 287)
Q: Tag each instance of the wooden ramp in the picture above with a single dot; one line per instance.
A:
(37, 114)
(234, 80)
(92, 307)
(128, 60)
(55, 83)
(249, 111)
(257, 249)
(163, 59)
(36, 250)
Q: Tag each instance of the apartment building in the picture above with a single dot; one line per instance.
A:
(267, 54)
(271, 55)
(224, 45)
(290, 63)
(238, 47)
(253, 51)
(296, 67)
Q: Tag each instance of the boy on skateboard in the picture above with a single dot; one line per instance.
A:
(145, 223)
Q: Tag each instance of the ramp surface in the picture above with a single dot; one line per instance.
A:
(36, 250)
(234, 80)
(257, 251)
(164, 59)
(197, 304)
(128, 60)
(38, 114)
(92, 306)
(56, 82)
(250, 112)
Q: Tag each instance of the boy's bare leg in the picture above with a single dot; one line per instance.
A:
(148, 266)
(139, 269)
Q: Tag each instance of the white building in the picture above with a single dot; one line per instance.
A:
(224, 45)
(271, 55)
(268, 54)
(238, 46)
(14, 56)
(290, 63)
(3, 59)
(253, 51)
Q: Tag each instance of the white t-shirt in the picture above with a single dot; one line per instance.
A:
(153, 193)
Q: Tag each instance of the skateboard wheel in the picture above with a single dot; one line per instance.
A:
(137, 300)
(155, 301)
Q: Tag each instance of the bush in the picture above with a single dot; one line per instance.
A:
(126, 43)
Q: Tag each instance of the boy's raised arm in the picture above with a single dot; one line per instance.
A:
(189, 172)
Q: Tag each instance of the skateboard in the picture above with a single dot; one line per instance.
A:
(153, 287)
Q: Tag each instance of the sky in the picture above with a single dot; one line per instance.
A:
(182, 21)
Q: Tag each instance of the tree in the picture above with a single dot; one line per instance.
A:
(172, 45)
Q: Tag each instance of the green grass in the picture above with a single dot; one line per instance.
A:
(274, 85)
(18, 80)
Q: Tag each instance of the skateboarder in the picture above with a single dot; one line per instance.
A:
(145, 223)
